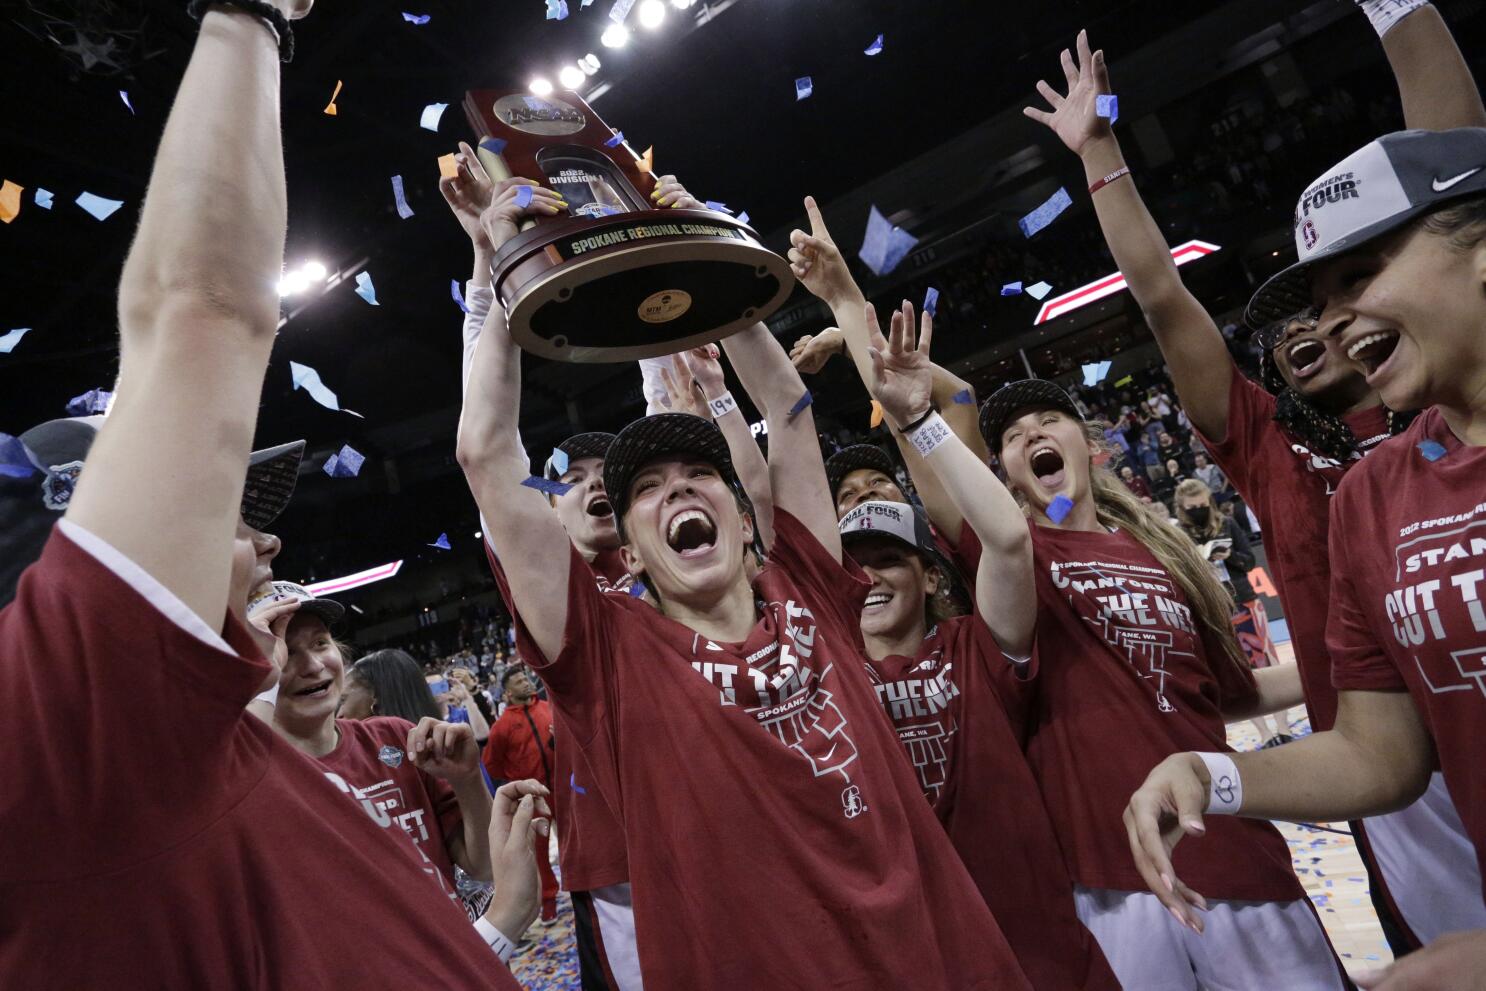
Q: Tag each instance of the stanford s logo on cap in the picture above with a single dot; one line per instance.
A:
(1308, 234)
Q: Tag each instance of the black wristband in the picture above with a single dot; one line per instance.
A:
(276, 21)
(909, 428)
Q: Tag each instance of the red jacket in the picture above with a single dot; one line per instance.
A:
(514, 751)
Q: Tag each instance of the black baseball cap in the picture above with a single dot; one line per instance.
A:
(56, 450)
(659, 436)
(577, 447)
(855, 458)
(1373, 191)
(1015, 398)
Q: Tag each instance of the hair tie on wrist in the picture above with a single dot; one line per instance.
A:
(272, 17)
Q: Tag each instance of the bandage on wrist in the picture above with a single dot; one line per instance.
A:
(722, 405)
(1225, 787)
(928, 435)
(1099, 184)
(1384, 15)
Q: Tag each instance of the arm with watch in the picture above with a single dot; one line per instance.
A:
(1005, 587)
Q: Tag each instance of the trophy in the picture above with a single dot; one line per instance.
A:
(616, 279)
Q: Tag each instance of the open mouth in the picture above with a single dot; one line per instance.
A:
(1305, 357)
(877, 599)
(1047, 467)
(691, 533)
(600, 506)
(316, 691)
(1373, 350)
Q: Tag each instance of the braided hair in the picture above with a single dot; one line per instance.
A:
(1323, 433)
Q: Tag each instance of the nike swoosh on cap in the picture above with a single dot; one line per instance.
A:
(1440, 185)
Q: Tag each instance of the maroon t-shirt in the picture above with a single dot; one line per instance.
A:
(777, 837)
(590, 834)
(1408, 602)
(157, 835)
(946, 707)
(371, 757)
(1121, 679)
(1289, 489)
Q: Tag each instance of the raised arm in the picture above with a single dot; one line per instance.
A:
(797, 474)
(197, 315)
(818, 263)
(1005, 589)
(1435, 85)
(1191, 343)
(520, 525)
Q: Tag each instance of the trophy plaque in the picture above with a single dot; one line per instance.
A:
(614, 279)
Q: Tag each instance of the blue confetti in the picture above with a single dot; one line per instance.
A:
(308, 379)
(365, 289)
(415, 18)
(100, 208)
(1046, 213)
(800, 404)
(9, 340)
(559, 460)
(1011, 289)
(803, 88)
(493, 145)
(717, 207)
(43, 198)
(124, 95)
(931, 300)
(573, 784)
(615, 141)
(884, 246)
(546, 485)
(743, 217)
(964, 397)
(1059, 508)
(346, 463)
(1095, 372)
(875, 48)
(620, 10)
(638, 590)
(1039, 290)
(90, 402)
(523, 197)
(442, 543)
(1107, 105)
(403, 210)
(429, 120)
(1432, 450)
(557, 10)
(458, 296)
(15, 459)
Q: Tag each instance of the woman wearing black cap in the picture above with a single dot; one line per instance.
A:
(1286, 444)
(1132, 644)
(1398, 282)
(734, 724)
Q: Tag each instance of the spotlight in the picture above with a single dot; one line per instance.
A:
(541, 86)
(652, 13)
(682, 4)
(571, 77)
(293, 282)
(314, 271)
(615, 36)
(589, 64)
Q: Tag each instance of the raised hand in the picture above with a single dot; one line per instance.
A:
(902, 374)
(705, 365)
(268, 626)
(669, 193)
(468, 193)
(502, 218)
(518, 813)
(1073, 118)
(817, 262)
(445, 750)
(681, 388)
(1166, 807)
(811, 352)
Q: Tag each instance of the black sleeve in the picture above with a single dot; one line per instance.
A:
(1243, 553)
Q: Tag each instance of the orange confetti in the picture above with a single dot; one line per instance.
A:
(876, 414)
(448, 168)
(330, 107)
(647, 160)
(10, 201)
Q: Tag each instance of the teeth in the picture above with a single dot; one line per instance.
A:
(877, 598)
(1370, 339)
(683, 517)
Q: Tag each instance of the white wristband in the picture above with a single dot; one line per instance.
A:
(495, 939)
(1225, 787)
(271, 696)
(1384, 14)
(930, 434)
(722, 405)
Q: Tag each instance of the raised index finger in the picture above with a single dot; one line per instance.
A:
(817, 222)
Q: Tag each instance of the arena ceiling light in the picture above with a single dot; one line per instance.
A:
(615, 36)
(299, 279)
(571, 77)
(652, 14)
(1076, 299)
(541, 86)
(589, 64)
(682, 4)
(360, 578)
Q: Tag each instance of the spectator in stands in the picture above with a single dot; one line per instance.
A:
(1209, 474)
(1135, 483)
(522, 745)
(1170, 449)
(1149, 457)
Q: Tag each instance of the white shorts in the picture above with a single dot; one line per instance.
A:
(1429, 865)
(1244, 946)
(614, 918)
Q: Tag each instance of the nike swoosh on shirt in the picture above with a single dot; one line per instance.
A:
(1440, 185)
